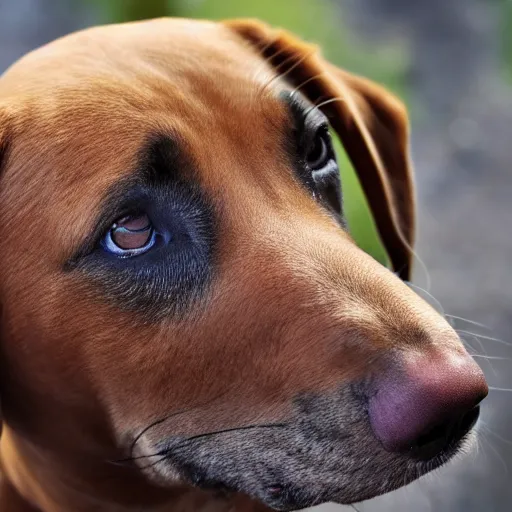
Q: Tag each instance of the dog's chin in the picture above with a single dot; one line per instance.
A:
(296, 490)
(300, 464)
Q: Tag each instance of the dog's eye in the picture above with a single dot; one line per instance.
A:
(130, 236)
(320, 152)
(323, 176)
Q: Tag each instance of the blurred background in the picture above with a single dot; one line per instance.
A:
(451, 62)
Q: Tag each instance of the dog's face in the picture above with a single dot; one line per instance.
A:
(179, 286)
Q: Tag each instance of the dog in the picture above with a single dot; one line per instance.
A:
(187, 324)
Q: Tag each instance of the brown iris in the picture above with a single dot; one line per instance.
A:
(132, 232)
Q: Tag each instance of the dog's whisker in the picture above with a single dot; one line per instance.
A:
(155, 463)
(268, 62)
(323, 104)
(187, 442)
(422, 264)
(195, 437)
(506, 390)
(168, 417)
(497, 453)
(471, 349)
(121, 462)
(288, 70)
(484, 337)
(488, 429)
(492, 358)
(417, 257)
(263, 50)
(305, 82)
(116, 462)
(478, 324)
(304, 57)
(235, 429)
(150, 426)
(482, 347)
(436, 304)
(477, 448)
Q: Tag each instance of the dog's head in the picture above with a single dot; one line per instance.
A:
(178, 284)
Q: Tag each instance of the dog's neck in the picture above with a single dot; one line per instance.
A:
(47, 484)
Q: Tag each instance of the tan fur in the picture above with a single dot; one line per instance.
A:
(78, 377)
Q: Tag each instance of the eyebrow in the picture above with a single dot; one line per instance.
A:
(161, 161)
(301, 109)
(164, 159)
(296, 105)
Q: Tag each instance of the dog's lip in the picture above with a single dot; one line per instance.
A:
(272, 484)
(284, 497)
(287, 496)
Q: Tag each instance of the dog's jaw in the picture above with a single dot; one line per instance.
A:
(326, 452)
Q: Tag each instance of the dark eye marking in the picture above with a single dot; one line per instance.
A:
(313, 154)
(152, 247)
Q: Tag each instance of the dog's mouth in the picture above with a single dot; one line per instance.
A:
(324, 455)
(288, 493)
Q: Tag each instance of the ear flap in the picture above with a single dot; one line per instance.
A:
(371, 123)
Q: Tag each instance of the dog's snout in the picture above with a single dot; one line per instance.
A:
(427, 405)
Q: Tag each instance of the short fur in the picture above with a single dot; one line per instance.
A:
(276, 334)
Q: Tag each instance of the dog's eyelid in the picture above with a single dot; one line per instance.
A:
(122, 200)
(162, 160)
(306, 116)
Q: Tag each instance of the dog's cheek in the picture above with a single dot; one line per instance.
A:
(316, 457)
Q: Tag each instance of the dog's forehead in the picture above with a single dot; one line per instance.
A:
(120, 84)
(88, 103)
(142, 52)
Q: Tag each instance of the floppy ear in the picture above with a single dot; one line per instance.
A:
(372, 125)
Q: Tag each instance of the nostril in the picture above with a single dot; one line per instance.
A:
(428, 405)
(469, 420)
(438, 433)
(442, 436)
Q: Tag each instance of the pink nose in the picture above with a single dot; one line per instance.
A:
(428, 404)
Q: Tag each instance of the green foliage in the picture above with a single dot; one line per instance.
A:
(317, 21)
(117, 11)
(357, 212)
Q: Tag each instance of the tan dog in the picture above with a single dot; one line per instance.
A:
(186, 323)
